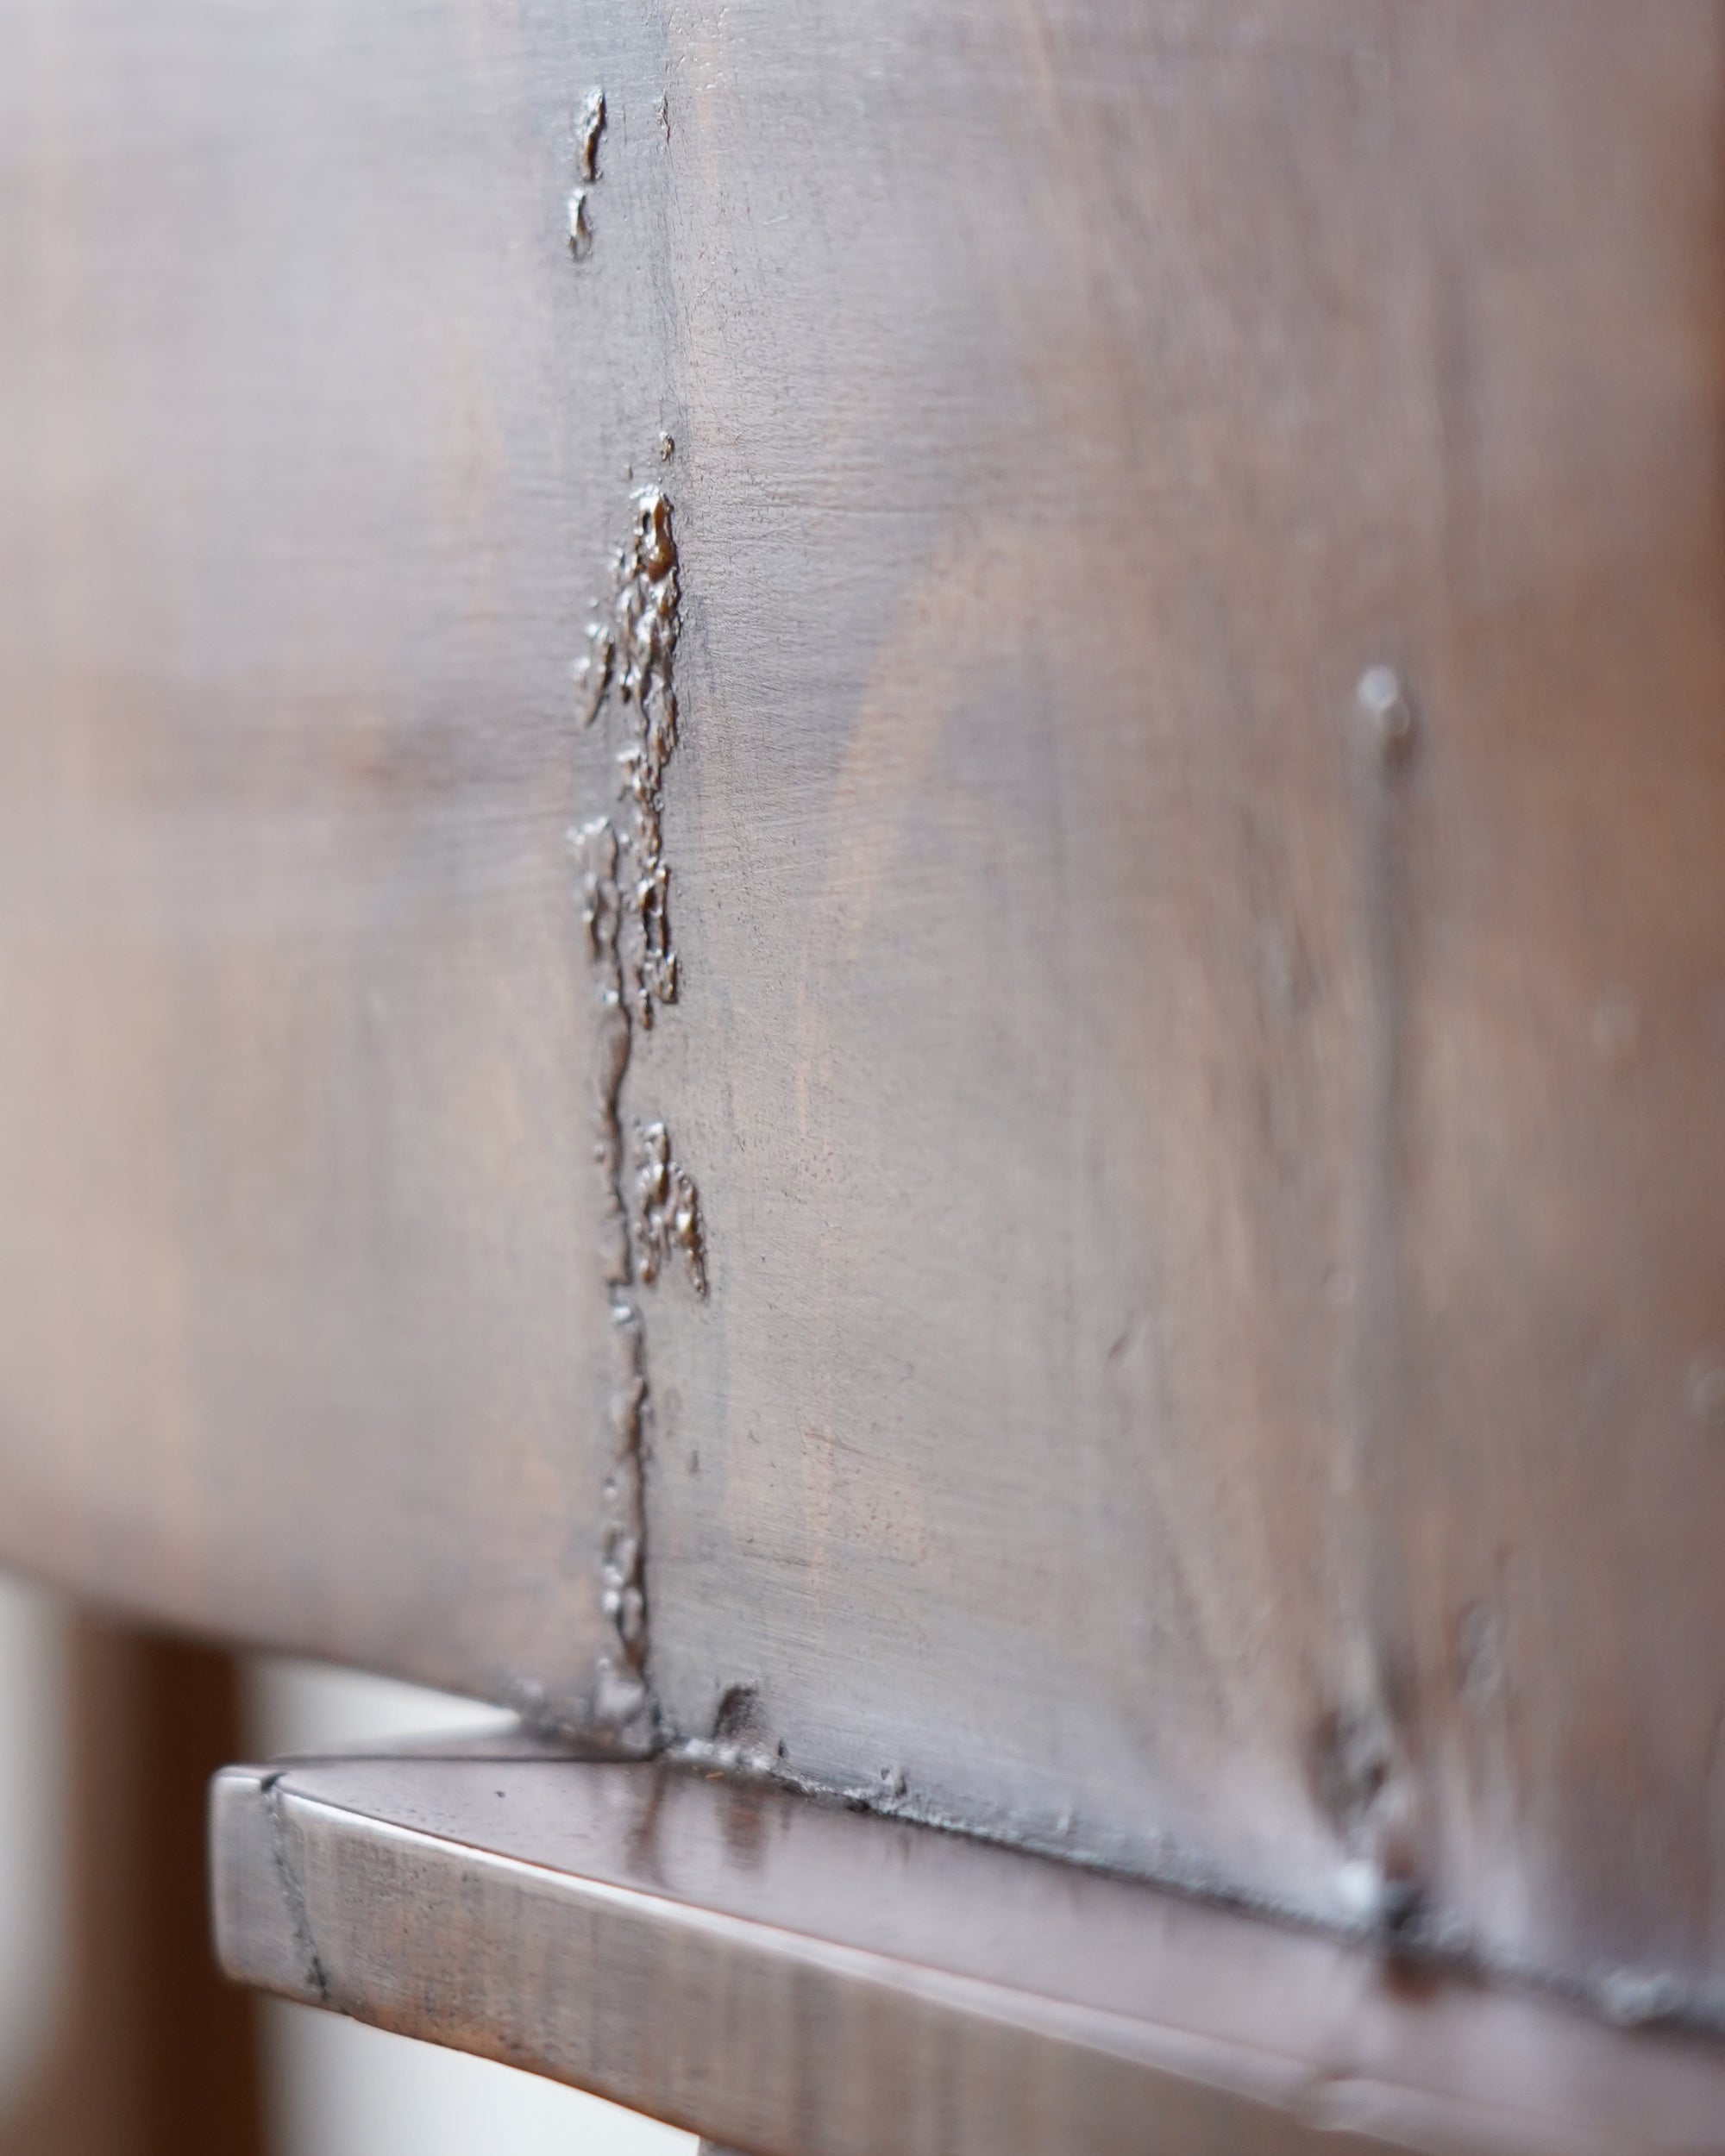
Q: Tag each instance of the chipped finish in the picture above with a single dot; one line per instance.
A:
(1383, 701)
(591, 673)
(594, 848)
(624, 884)
(624, 1700)
(667, 1209)
(632, 652)
(1364, 1784)
(588, 129)
(643, 633)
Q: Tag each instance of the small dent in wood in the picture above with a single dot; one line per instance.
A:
(1363, 1784)
(739, 1719)
(739, 1743)
(1707, 1390)
(1385, 704)
(1614, 1028)
(1639, 1998)
(623, 1600)
(1480, 1676)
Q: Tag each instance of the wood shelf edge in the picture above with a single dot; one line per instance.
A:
(790, 1979)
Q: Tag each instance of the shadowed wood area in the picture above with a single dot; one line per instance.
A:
(1086, 1199)
(154, 2054)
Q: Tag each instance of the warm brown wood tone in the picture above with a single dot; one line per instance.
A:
(292, 452)
(157, 2056)
(1213, 1202)
(806, 1982)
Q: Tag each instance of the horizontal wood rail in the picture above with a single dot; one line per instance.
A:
(795, 1979)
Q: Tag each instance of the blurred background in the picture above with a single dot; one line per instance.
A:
(107, 1737)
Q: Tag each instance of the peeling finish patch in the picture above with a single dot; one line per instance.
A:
(632, 651)
(625, 1701)
(588, 129)
(1365, 1786)
(595, 850)
(653, 1210)
(667, 1209)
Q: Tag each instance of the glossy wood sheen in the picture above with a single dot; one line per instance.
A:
(806, 1983)
(1213, 1212)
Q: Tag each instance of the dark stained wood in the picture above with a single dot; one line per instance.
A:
(299, 1205)
(806, 1983)
(1211, 1190)
(154, 2055)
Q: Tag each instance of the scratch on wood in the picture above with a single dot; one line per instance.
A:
(317, 1977)
(1368, 1775)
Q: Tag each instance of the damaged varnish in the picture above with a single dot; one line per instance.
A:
(623, 1702)
(667, 1215)
(588, 129)
(651, 1210)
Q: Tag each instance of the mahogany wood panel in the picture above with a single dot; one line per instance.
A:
(1184, 1204)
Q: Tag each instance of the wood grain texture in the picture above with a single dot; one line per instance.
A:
(299, 462)
(805, 1983)
(1214, 1344)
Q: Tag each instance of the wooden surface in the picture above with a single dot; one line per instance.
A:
(802, 1982)
(152, 2054)
(1209, 1194)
